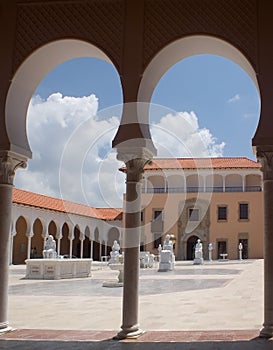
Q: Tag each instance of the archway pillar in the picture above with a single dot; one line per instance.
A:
(265, 157)
(135, 163)
(130, 325)
(9, 162)
(29, 238)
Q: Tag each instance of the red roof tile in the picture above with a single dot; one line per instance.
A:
(56, 204)
(201, 163)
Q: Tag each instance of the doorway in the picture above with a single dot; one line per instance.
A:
(191, 242)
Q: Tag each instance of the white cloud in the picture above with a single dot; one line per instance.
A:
(179, 135)
(72, 155)
(234, 98)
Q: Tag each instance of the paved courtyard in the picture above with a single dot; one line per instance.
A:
(217, 305)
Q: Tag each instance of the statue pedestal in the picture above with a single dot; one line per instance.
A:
(55, 269)
(166, 260)
(119, 282)
(198, 261)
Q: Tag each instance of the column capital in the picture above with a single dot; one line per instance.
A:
(264, 155)
(9, 162)
(135, 169)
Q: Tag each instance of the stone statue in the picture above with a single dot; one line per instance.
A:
(198, 253)
(166, 255)
(50, 248)
(210, 251)
(114, 254)
(168, 244)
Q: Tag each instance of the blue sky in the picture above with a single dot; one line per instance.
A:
(205, 97)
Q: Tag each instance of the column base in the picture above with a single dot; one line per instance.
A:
(129, 333)
(4, 327)
(266, 332)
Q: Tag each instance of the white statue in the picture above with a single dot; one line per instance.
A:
(168, 244)
(198, 250)
(210, 251)
(166, 255)
(114, 254)
(50, 248)
(198, 253)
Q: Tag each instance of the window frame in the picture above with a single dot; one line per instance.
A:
(241, 217)
(219, 207)
(191, 217)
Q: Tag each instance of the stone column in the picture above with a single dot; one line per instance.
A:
(91, 248)
(82, 238)
(29, 237)
(130, 326)
(9, 162)
(265, 157)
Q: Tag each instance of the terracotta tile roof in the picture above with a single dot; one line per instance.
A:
(56, 204)
(201, 163)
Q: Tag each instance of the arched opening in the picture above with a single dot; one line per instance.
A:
(72, 91)
(86, 243)
(52, 229)
(113, 235)
(191, 242)
(37, 242)
(65, 241)
(37, 66)
(20, 241)
(96, 245)
(190, 80)
(76, 249)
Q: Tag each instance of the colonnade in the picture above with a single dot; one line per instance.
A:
(135, 37)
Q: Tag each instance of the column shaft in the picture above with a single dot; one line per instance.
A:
(265, 156)
(5, 222)
(267, 330)
(130, 326)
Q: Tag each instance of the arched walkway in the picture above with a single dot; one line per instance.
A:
(20, 242)
(144, 39)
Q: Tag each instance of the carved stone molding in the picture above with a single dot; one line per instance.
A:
(265, 157)
(9, 162)
(135, 169)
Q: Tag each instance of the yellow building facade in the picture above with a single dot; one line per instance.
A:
(216, 200)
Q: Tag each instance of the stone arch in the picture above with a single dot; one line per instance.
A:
(20, 240)
(37, 242)
(113, 235)
(183, 48)
(36, 66)
(87, 243)
(188, 228)
(65, 239)
(191, 242)
(52, 228)
(76, 242)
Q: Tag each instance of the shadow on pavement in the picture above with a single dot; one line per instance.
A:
(254, 344)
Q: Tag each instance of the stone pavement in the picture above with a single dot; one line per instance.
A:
(217, 305)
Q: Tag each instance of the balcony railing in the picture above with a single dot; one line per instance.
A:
(198, 189)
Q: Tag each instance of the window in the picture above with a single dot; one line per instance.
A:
(193, 214)
(142, 215)
(157, 239)
(243, 211)
(158, 214)
(222, 213)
